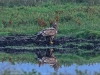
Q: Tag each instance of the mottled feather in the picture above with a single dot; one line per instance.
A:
(48, 32)
(52, 31)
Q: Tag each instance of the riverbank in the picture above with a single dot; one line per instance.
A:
(64, 44)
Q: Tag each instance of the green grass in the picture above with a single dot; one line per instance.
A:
(72, 14)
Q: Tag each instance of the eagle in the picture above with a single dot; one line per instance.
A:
(48, 33)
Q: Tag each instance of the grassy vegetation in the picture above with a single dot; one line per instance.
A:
(75, 19)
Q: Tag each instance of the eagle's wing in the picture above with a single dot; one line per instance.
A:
(49, 32)
(46, 32)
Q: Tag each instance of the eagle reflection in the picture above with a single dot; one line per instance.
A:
(47, 58)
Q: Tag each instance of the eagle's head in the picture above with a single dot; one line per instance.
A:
(55, 25)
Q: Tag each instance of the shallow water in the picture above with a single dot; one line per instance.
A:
(46, 69)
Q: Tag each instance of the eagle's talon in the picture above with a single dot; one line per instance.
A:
(51, 42)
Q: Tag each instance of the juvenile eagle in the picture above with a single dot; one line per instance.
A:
(48, 33)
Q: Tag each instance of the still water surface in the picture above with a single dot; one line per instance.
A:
(47, 69)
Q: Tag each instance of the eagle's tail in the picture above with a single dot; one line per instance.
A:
(38, 36)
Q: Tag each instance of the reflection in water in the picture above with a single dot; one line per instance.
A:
(47, 69)
(48, 58)
(47, 65)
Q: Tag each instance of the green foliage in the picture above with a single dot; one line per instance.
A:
(88, 34)
(12, 3)
(74, 19)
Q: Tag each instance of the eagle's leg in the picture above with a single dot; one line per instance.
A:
(51, 39)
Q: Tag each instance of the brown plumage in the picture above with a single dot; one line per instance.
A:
(48, 33)
(51, 60)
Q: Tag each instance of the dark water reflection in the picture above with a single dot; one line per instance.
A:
(47, 69)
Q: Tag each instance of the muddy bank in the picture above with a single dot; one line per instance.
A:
(16, 40)
(81, 52)
(24, 40)
(62, 44)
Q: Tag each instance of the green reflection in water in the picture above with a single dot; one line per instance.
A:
(63, 59)
(26, 57)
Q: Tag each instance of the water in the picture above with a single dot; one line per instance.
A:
(46, 69)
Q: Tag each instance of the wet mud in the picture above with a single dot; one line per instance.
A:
(67, 44)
